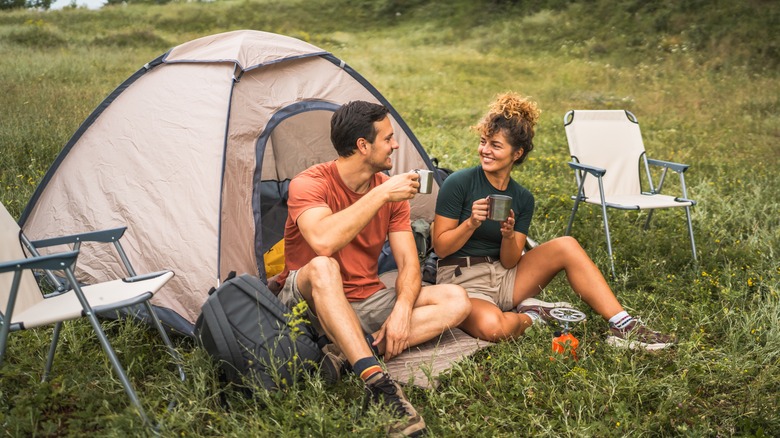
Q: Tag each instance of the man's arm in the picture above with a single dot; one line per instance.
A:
(397, 329)
(327, 232)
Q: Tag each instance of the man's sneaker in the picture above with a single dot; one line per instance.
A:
(382, 389)
(541, 308)
(333, 364)
(636, 335)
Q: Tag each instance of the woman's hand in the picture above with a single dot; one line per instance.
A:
(479, 210)
(508, 226)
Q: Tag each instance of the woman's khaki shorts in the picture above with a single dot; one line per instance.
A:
(485, 281)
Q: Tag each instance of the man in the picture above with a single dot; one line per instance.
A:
(340, 214)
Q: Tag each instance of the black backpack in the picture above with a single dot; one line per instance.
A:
(253, 336)
(443, 172)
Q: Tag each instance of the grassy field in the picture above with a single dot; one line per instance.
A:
(702, 77)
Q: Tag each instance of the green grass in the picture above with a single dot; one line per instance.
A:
(700, 76)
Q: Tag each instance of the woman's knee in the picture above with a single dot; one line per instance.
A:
(487, 326)
(567, 243)
(566, 249)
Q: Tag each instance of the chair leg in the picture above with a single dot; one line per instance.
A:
(609, 239)
(571, 218)
(4, 329)
(55, 338)
(7, 317)
(690, 231)
(649, 217)
(118, 367)
(166, 339)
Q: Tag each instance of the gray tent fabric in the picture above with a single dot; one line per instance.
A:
(194, 153)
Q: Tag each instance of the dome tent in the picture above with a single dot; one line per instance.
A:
(194, 153)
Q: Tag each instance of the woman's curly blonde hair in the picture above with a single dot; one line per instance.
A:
(515, 116)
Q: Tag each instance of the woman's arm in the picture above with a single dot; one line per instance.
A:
(448, 236)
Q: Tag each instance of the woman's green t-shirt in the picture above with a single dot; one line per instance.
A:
(459, 192)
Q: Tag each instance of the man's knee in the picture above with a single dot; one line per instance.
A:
(322, 276)
(323, 267)
(457, 301)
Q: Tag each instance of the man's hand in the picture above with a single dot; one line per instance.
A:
(400, 187)
(395, 332)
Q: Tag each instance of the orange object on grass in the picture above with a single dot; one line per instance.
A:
(565, 345)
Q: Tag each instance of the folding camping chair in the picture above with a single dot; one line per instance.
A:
(24, 306)
(608, 145)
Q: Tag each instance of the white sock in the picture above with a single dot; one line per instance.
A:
(535, 318)
(621, 320)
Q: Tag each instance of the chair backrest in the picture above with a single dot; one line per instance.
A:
(11, 249)
(609, 139)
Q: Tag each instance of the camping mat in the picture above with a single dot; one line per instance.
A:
(421, 365)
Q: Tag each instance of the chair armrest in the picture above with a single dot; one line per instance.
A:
(143, 277)
(53, 262)
(104, 236)
(593, 170)
(679, 199)
(677, 167)
(111, 235)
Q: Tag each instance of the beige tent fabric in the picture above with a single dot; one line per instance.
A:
(247, 49)
(11, 249)
(155, 158)
(151, 162)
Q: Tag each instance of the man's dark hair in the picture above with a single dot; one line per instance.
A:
(352, 121)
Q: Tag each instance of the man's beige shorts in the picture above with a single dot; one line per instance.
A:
(372, 312)
(485, 281)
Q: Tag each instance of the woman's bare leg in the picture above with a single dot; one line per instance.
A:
(486, 321)
(539, 266)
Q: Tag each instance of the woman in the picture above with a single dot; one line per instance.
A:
(486, 257)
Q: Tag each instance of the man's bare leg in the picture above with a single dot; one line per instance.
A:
(437, 309)
(320, 282)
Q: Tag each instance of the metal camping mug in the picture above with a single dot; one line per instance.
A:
(498, 207)
(426, 180)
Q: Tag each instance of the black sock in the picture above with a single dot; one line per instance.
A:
(374, 349)
(367, 367)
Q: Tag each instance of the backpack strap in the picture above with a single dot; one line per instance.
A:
(223, 337)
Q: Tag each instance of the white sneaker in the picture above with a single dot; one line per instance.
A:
(530, 302)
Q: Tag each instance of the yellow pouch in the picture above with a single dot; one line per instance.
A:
(274, 259)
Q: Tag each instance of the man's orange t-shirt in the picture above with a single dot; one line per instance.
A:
(322, 186)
